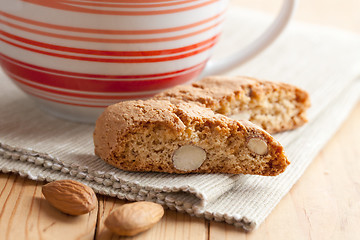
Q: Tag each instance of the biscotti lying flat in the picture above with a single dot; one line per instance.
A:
(157, 135)
(273, 106)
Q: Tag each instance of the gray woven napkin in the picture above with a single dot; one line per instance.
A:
(325, 62)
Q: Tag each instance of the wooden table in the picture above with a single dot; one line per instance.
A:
(324, 204)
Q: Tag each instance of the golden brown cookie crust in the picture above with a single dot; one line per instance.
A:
(274, 106)
(143, 135)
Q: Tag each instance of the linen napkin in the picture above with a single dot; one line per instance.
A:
(323, 61)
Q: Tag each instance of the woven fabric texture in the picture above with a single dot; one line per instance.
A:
(323, 61)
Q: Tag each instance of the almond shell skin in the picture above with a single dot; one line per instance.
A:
(70, 196)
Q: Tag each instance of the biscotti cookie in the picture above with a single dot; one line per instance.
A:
(273, 106)
(156, 135)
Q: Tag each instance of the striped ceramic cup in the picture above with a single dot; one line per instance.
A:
(75, 57)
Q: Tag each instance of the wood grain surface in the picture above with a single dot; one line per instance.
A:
(324, 204)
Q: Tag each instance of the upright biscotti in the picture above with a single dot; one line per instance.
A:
(273, 106)
(157, 135)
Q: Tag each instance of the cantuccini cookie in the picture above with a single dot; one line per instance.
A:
(273, 106)
(160, 136)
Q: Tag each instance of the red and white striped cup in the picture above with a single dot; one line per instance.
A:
(75, 57)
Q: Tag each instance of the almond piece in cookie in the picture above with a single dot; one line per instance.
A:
(156, 135)
(275, 107)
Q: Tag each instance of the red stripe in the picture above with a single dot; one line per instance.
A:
(58, 4)
(80, 95)
(95, 76)
(76, 100)
(103, 40)
(132, 1)
(105, 31)
(91, 85)
(109, 53)
(111, 60)
(63, 102)
(116, 4)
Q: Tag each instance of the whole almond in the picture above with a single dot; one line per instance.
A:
(188, 157)
(133, 218)
(70, 196)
